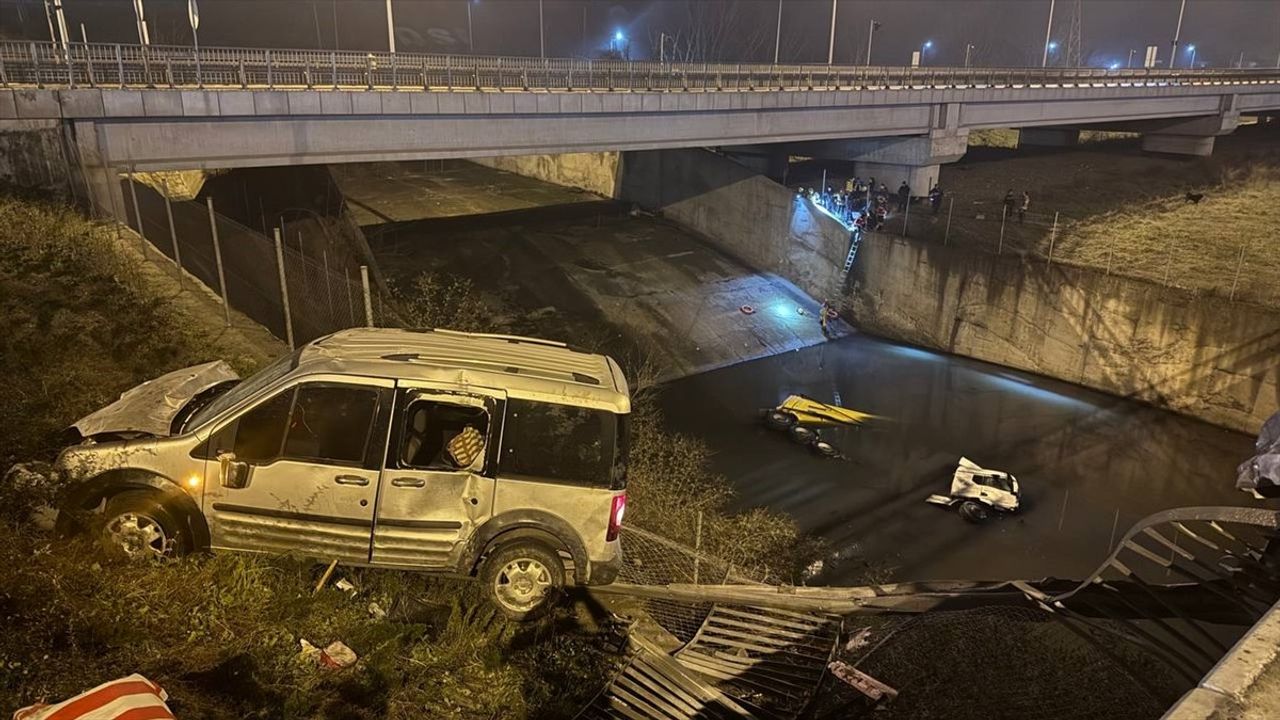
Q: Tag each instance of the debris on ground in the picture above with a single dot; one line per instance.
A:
(346, 586)
(336, 655)
(860, 639)
(376, 612)
(128, 697)
(862, 682)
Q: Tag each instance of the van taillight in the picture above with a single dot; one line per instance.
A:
(616, 510)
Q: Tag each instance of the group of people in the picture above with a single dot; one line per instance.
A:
(1020, 206)
(865, 205)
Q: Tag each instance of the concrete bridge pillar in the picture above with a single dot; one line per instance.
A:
(101, 182)
(1048, 137)
(1194, 136)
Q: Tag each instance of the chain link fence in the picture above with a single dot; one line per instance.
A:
(299, 284)
(1240, 269)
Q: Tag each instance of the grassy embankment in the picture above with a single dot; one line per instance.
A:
(1126, 210)
(82, 319)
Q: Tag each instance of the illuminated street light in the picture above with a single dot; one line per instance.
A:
(928, 44)
(967, 49)
(1129, 63)
(1048, 28)
(1053, 46)
(1192, 49)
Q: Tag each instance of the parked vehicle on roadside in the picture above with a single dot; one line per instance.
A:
(494, 456)
(978, 492)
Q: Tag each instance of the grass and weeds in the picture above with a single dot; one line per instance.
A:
(81, 319)
(1122, 210)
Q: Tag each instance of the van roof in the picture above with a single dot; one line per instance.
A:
(524, 367)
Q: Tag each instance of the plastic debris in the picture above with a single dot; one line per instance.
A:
(376, 612)
(346, 586)
(335, 656)
(860, 639)
(132, 696)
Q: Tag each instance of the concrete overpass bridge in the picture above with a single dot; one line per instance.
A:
(161, 108)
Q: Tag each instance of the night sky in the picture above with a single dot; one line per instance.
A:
(1004, 32)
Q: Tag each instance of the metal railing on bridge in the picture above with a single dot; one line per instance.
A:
(45, 64)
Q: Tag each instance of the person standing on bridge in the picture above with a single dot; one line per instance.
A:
(1022, 209)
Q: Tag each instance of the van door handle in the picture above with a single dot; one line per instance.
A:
(351, 480)
(409, 482)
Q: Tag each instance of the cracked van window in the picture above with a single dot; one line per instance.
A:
(331, 424)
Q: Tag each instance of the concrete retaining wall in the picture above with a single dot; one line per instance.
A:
(31, 155)
(744, 214)
(1200, 356)
(593, 172)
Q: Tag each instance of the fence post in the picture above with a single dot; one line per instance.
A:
(328, 284)
(120, 65)
(906, 215)
(1053, 235)
(217, 257)
(351, 301)
(1236, 281)
(137, 216)
(333, 64)
(950, 206)
(697, 547)
(368, 301)
(271, 84)
(173, 235)
(284, 288)
(1004, 213)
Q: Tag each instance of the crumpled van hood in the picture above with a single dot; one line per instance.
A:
(151, 407)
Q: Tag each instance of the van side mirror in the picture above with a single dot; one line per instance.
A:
(232, 473)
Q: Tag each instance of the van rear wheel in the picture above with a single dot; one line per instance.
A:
(523, 579)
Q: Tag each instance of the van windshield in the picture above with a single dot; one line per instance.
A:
(565, 443)
(247, 388)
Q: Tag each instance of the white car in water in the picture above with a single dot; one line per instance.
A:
(977, 491)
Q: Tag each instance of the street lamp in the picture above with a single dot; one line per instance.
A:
(1129, 63)
(1048, 29)
(927, 45)
(871, 32)
(967, 48)
(1192, 49)
(471, 38)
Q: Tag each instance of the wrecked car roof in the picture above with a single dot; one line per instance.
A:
(151, 407)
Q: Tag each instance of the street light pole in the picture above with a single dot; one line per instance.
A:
(1129, 63)
(391, 29)
(777, 35)
(967, 48)
(1177, 34)
(662, 47)
(542, 43)
(1048, 30)
(831, 46)
(471, 38)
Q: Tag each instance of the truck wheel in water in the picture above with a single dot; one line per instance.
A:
(523, 579)
(974, 512)
(136, 526)
(824, 448)
(778, 420)
(803, 435)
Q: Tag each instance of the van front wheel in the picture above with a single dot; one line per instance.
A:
(523, 579)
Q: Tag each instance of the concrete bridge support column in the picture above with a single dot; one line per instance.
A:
(100, 181)
(1194, 136)
(1048, 137)
(915, 160)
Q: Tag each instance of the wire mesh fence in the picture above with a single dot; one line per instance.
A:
(298, 290)
(1000, 661)
(1240, 269)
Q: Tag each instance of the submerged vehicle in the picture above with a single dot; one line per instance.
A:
(1260, 475)
(977, 492)
(495, 456)
(800, 416)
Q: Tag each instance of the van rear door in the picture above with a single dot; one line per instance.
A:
(438, 479)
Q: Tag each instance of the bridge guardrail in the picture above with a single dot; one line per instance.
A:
(45, 64)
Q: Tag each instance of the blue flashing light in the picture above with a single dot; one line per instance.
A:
(1053, 45)
(1114, 66)
(618, 36)
(928, 44)
(1191, 48)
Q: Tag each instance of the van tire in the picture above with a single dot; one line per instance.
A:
(523, 579)
(136, 525)
(974, 512)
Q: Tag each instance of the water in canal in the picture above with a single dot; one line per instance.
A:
(1090, 464)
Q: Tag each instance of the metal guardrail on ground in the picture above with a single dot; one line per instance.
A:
(115, 65)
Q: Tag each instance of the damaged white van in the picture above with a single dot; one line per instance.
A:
(498, 456)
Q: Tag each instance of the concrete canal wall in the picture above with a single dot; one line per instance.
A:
(1201, 356)
(743, 213)
(593, 172)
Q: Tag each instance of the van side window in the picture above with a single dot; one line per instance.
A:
(331, 424)
(259, 433)
(443, 436)
(558, 442)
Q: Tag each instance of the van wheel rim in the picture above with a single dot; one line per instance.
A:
(138, 536)
(522, 584)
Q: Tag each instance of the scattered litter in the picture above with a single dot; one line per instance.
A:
(814, 569)
(132, 696)
(336, 655)
(376, 612)
(859, 639)
(346, 586)
(862, 682)
(747, 310)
